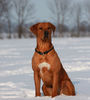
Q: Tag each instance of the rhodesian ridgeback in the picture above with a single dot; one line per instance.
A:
(47, 65)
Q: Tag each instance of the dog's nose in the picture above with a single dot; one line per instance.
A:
(46, 34)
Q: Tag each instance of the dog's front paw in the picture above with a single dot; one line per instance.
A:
(38, 94)
(53, 95)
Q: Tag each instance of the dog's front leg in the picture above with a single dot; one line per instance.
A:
(37, 83)
(55, 84)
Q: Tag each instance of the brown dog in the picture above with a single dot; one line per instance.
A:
(47, 66)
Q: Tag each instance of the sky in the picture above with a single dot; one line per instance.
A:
(43, 13)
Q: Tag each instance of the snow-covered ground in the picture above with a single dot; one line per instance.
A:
(16, 75)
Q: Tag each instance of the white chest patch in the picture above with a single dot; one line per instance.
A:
(44, 64)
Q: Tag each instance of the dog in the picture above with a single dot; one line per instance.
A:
(47, 65)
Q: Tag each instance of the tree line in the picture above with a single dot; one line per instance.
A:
(15, 14)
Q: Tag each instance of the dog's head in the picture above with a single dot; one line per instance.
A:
(43, 30)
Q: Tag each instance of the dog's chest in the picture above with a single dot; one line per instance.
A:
(44, 66)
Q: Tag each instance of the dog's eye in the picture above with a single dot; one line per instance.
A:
(40, 28)
(49, 28)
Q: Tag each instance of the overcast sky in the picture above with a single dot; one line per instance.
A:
(42, 12)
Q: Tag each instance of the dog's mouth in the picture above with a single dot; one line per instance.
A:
(44, 39)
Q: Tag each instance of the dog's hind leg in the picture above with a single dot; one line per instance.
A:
(67, 88)
(47, 90)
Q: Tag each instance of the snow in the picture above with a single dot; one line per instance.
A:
(16, 75)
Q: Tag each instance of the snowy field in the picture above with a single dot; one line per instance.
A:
(16, 75)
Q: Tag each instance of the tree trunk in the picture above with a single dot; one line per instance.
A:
(19, 31)
(9, 28)
(78, 27)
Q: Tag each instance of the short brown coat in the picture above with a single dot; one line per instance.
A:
(55, 80)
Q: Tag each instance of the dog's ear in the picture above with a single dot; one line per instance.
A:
(53, 27)
(33, 28)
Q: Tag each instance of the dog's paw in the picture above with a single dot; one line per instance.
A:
(38, 94)
(53, 95)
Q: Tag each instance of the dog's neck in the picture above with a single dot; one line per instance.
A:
(43, 46)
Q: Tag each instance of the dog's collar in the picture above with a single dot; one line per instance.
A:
(43, 53)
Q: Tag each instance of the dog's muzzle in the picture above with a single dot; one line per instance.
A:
(46, 34)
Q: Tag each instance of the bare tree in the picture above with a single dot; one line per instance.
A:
(60, 10)
(2, 2)
(87, 6)
(24, 11)
(7, 11)
(78, 17)
(1, 7)
(87, 9)
(77, 14)
(1, 10)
